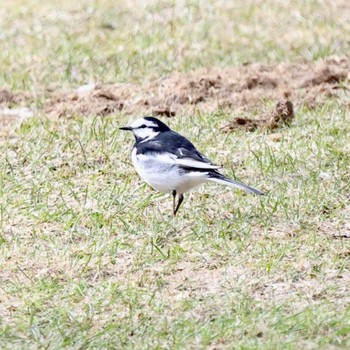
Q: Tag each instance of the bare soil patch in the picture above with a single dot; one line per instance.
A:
(243, 88)
(7, 97)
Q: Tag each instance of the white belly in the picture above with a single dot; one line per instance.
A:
(164, 176)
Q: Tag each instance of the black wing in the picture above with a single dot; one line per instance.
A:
(171, 142)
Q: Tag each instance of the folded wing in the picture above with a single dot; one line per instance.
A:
(191, 158)
(194, 163)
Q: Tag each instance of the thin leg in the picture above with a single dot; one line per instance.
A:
(174, 196)
(181, 198)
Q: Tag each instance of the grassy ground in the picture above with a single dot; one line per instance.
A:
(92, 259)
(48, 46)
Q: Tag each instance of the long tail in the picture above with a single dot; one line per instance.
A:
(221, 179)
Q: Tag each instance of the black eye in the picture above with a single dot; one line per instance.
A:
(143, 126)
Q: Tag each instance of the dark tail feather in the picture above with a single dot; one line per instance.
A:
(221, 179)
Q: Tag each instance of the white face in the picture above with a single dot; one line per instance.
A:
(143, 129)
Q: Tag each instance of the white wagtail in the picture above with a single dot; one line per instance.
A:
(169, 162)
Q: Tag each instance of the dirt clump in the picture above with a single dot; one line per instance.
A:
(87, 100)
(281, 115)
(7, 97)
(327, 74)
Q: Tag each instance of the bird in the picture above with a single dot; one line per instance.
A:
(170, 163)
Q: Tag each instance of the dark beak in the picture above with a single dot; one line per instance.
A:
(125, 128)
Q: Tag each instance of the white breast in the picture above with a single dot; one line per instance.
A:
(162, 173)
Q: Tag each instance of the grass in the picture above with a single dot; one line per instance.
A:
(92, 259)
(47, 46)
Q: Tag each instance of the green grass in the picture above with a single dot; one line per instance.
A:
(91, 258)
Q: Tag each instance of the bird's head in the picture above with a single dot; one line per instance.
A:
(146, 128)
